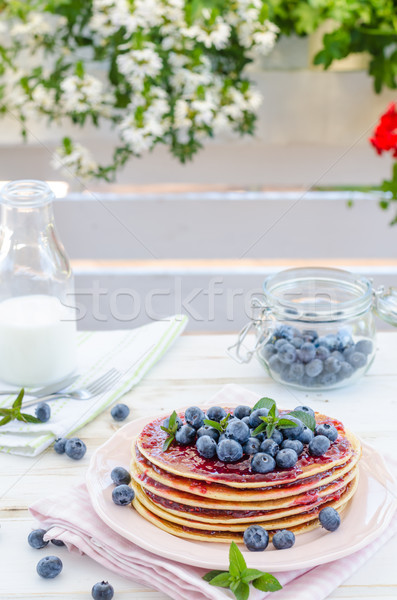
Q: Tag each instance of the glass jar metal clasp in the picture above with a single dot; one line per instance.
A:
(241, 353)
(385, 304)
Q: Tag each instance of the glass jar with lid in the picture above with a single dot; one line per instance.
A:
(315, 327)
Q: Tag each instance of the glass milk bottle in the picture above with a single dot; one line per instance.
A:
(37, 319)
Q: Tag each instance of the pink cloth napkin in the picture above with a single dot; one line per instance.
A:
(71, 518)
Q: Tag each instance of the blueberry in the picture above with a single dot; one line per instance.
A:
(322, 352)
(357, 360)
(319, 445)
(102, 591)
(292, 433)
(221, 437)
(307, 352)
(270, 447)
(348, 352)
(268, 351)
(321, 341)
(306, 409)
(120, 475)
(255, 419)
(242, 411)
(59, 445)
(208, 430)
(295, 373)
(365, 347)
(286, 458)
(277, 436)
(310, 335)
(314, 367)
(294, 444)
(297, 342)
(216, 413)
(194, 416)
(49, 567)
(75, 448)
(275, 364)
(166, 422)
(306, 436)
(123, 495)
(285, 331)
(344, 338)
(35, 538)
(329, 518)
(287, 354)
(328, 430)
(238, 431)
(259, 436)
(206, 446)
(283, 539)
(346, 369)
(280, 343)
(332, 341)
(332, 365)
(58, 543)
(338, 355)
(185, 435)
(256, 538)
(262, 463)
(251, 446)
(43, 412)
(120, 412)
(327, 379)
(229, 451)
(246, 420)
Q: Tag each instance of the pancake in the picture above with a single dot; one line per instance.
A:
(225, 537)
(185, 461)
(270, 522)
(169, 485)
(243, 513)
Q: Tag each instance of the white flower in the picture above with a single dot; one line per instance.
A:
(81, 94)
(44, 97)
(138, 64)
(36, 25)
(78, 162)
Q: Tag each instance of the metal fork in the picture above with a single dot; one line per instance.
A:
(100, 385)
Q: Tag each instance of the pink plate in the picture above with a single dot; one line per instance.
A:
(367, 516)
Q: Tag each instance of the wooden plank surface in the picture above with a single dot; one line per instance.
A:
(190, 373)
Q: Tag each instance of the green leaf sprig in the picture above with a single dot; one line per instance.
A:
(273, 419)
(238, 577)
(221, 426)
(170, 430)
(9, 414)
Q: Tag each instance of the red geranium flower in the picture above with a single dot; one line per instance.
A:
(385, 135)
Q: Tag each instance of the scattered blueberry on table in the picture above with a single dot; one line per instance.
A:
(35, 539)
(120, 412)
(120, 475)
(43, 412)
(306, 359)
(59, 445)
(329, 518)
(75, 448)
(49, 567)
(58, 543)
(122, 495)
(256, 538)
(102, 591)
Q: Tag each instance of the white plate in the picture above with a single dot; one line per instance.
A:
(367, 516)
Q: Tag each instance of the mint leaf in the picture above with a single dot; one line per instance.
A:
(272, 412)
(225, 421)
(269, 430)
(5, 420)
(306, 418)
(18, 402)
(28, 418)
(284, 423)
(236, 558)
(250, 574)
(264, 403)
(242, 591)
(168, 442)
(267, 583)
(172, 422)
(213, 424)
(259, 429)
(221, 580)
(211, 574)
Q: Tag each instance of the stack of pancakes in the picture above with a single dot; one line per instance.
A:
(208, 500)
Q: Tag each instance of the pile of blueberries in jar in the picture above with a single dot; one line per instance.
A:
(307, 359)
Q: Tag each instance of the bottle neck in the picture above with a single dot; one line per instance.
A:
(27, 223)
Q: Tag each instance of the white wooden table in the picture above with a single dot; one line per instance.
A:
(190, 373)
